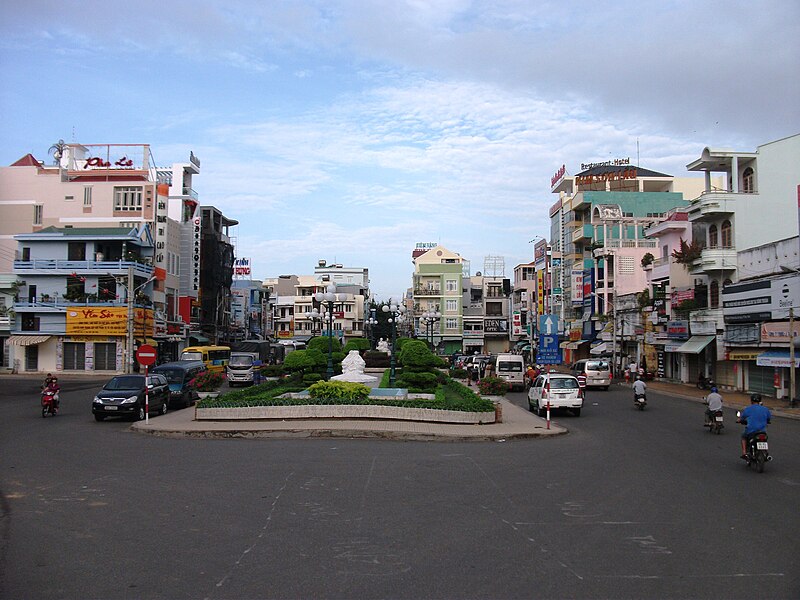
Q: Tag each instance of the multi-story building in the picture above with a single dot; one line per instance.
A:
(745, 267)
(85, 298)
(523, 311)
(437, 287)
(597, 243)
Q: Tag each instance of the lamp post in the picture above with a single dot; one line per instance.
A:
(130, 292)
(430, 318)
(329, 297)
(395, 316)
(371, 323)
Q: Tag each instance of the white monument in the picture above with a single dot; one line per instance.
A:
(383, 346)
(353, 370)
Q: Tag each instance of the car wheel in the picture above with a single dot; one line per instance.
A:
(164, 407)
(577, 412)
(141, 414)
(541, 411)
(187, 400)
(99, 417)
(605, 388)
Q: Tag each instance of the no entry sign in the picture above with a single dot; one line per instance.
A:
(146, 355)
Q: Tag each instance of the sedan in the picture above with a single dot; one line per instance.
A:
(124, 395)
(556, 390)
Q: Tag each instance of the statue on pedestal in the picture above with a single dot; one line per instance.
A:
(383, 346)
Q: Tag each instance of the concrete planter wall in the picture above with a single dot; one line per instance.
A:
(328, 411)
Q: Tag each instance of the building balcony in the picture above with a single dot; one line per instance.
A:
(711, 205)
(47, 266)
(582, 231)
(427, 292)
(660, 269)
(715, 259)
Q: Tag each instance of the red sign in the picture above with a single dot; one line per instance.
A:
(146, 355)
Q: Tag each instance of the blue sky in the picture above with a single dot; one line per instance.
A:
(350, 130)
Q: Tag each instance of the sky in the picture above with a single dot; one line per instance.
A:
(350, 130)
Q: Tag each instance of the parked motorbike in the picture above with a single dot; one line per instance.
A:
(705, 383)
(757, 448)
(714, 422)
(49, 403)
(640, 401)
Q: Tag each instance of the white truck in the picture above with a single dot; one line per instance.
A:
(241, 368)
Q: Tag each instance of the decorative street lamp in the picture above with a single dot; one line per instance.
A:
(329, 296)
(396, 315)
(371, 324)
(430, 318)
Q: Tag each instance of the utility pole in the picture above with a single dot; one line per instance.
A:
(129, 298)
(792, 381)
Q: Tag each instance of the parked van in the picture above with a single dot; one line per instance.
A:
(511, 367)
(179, 374)
(596, 370)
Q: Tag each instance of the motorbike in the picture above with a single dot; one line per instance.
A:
(640, 401)
(705, 383)
(757, 448)
(714, 422)
(49, 403)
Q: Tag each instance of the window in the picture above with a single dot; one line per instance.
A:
(727, 234)
(713, 299)
(713, 237)
(749, 181)
(74, 356)
(451, 305)
(451, 285)
(128, 198)
(76, 251)
(69, 198)
(87, 195)
(105, 356)
(451, 323)
(26, 254)
(38, 209)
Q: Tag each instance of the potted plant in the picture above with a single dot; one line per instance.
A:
(647, 260)
(207, 384)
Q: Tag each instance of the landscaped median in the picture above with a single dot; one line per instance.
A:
(452, 403)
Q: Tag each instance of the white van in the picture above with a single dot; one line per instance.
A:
(511, 367)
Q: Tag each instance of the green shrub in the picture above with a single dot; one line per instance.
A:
(416, 355)
(359, 344)
(271, 370)
(299, 360)
(424, 382)
(310, 378)
(493, 386)
(458, 374)
(339, 390)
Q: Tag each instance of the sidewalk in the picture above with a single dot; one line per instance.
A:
(517, 423)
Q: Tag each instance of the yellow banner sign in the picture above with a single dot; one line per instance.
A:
(113, 321)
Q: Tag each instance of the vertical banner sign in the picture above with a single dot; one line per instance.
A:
(196, 232)
(577, 287)
(539, 292)
(161, 227)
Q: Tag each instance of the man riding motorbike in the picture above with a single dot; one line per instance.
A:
(53, 388)
(714, 402)
(639, 386)
(756, 418)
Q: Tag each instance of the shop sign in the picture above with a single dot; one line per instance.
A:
(495, 326)
(111, 321)
(763, 300)
(577, 287)
(678, 330)
(616, 162)
(558, 175)
(630, 173)
(743, 354)
(678, 296)
(241, 268)
(196, 233)
(540, 252)
(778, 333)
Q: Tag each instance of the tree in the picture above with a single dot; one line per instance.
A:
(416, 356)
(688, 252)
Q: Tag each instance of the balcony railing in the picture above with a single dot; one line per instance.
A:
(714, 203)
(428, 292)
(86, 267)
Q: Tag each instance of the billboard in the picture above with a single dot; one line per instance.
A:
(111, 321)
(241, 268)
(764, 300)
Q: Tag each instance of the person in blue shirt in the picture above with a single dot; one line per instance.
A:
(757, 417)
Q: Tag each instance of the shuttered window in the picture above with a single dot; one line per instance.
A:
(74, 356)
(105, 357)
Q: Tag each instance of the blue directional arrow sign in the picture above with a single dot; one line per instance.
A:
(549, 352)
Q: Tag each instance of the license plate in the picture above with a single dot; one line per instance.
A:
(718, 419)
(111, 407)
(762, 446)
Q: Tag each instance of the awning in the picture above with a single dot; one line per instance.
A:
(777, 358)
(696, 344)
(599, 349)
(27, 340)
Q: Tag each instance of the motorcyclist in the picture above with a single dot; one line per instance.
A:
(756, 417)
(639, 387)
(53, 388)
(714, 402)
(47, 381)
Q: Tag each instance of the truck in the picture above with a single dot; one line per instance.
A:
(241, 368)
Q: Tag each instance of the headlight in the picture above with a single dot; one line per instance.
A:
(97, 400)
(130, 400)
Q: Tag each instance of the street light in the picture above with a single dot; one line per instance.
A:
(129, 296)
(328, 296)
(371, 323)
(396, 315)
(430, 318)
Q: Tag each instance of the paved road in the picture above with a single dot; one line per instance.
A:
(629, 504)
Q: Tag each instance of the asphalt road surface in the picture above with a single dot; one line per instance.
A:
(629, 504)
